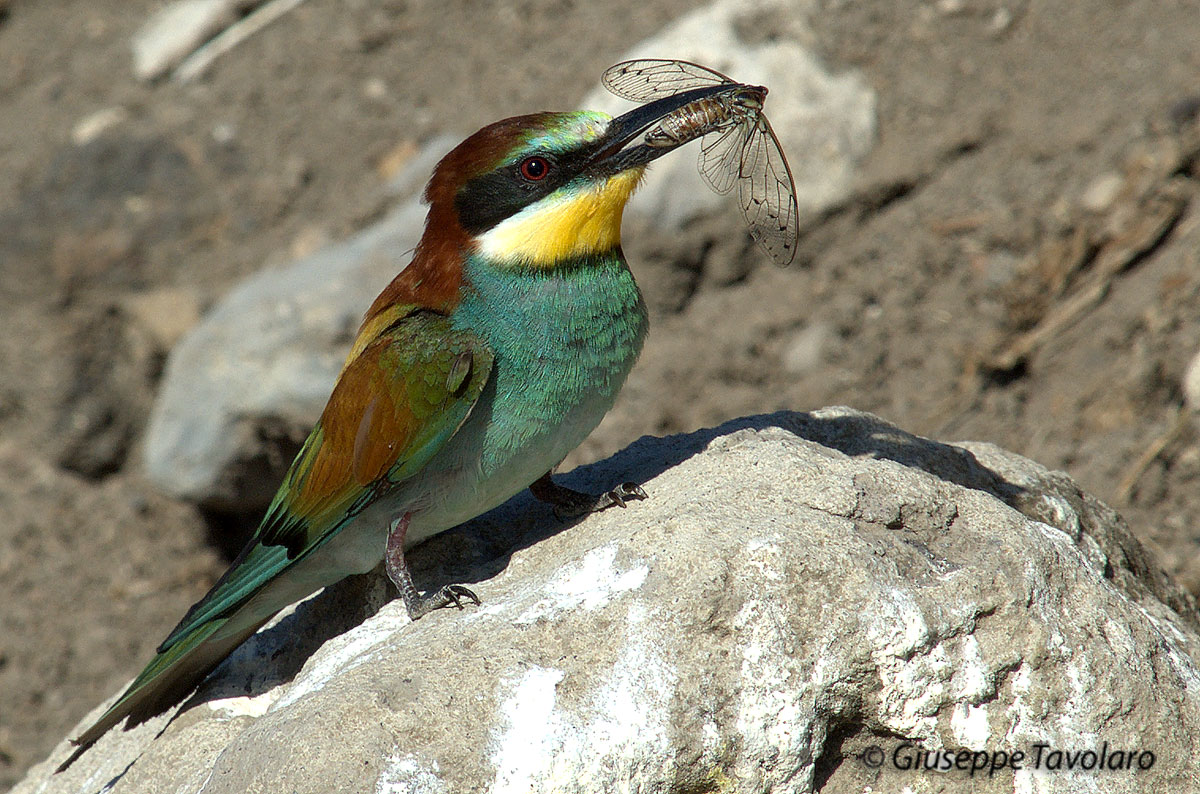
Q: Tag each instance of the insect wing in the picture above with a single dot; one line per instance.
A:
(720, 160)
(653, 78)
(746, 153)
(768, 194)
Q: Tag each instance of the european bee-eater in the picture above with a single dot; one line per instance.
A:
(485, 361)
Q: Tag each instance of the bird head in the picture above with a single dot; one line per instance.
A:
(530, 192)
(536, 190)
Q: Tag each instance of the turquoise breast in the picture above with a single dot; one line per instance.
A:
(564, 341)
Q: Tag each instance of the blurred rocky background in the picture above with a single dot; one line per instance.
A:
(1001, 242)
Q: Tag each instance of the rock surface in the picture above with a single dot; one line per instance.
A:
(801, 595)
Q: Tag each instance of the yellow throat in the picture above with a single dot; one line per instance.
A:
(569, 223)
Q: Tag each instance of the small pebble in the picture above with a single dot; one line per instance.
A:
(1000, 22)
(166, 314)
(224, 133)
(1100, 194)
(92, 126)
(1191, 384)
(375, 88)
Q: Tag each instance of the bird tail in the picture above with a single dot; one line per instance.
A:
(170, 676)
(241, 601)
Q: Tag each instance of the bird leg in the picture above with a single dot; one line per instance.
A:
(397, 570)
(569, 503)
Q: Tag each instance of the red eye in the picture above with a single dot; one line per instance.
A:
(535, 168)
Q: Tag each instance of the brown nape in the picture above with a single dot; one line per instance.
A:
(479, 154)
(433, 278)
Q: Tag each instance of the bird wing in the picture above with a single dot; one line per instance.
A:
(395, 405)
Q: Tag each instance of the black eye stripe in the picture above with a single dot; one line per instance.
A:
(488, 199)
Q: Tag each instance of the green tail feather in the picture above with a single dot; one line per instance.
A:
(168, 678)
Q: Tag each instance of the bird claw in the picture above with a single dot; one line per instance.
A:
(573, 504)
(397, 570)
(454, 593)
(619, 496)
(446, 596)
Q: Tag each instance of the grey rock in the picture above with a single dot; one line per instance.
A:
(267, 355)
(175, 30)
(801, 593)
(825, 121)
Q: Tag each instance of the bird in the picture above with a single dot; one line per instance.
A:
(484, 362)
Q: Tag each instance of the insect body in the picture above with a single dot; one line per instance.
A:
(718, 112)
(738, 145)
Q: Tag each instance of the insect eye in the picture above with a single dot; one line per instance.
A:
(535, 168)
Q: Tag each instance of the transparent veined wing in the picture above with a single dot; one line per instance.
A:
(768, 193)
(745, 152)
(720, 160)
(653, 78)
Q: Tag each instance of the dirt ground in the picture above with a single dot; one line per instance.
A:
(1019, 263)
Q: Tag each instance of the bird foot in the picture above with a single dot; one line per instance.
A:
(416, 604)
(569, 503)
(448, 595)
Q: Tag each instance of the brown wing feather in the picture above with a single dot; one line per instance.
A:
(362, 433)
(394, 405)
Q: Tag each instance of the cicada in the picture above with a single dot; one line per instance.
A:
(738, 145)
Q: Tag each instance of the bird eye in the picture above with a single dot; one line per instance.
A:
(535, 168)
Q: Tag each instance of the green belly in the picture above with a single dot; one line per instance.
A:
(564, 341)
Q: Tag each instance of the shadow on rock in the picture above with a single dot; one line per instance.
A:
(481, 549)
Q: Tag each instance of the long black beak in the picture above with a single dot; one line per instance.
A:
(623, 148)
